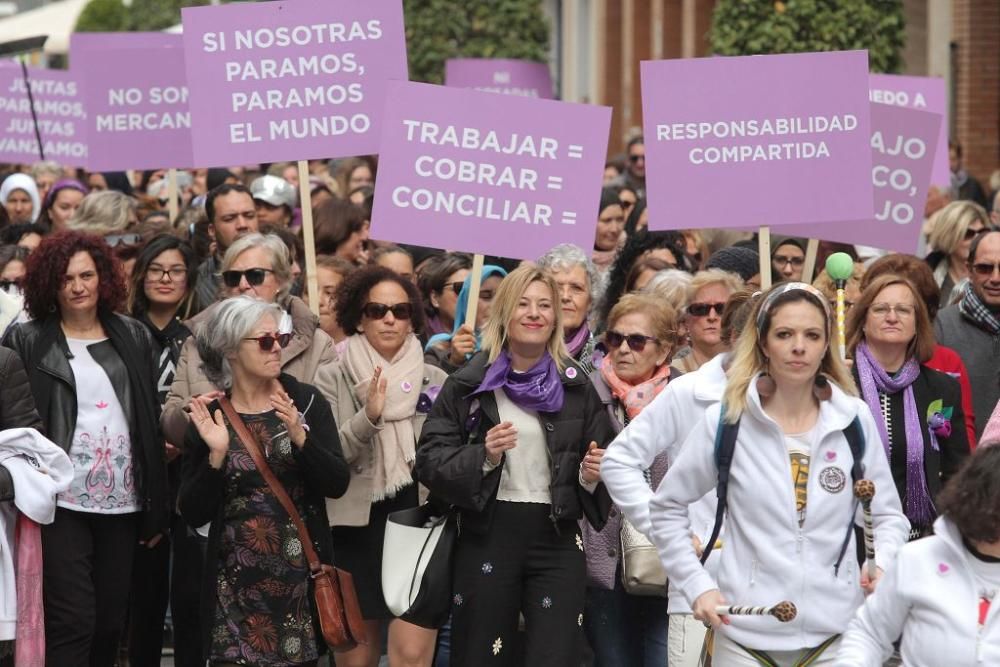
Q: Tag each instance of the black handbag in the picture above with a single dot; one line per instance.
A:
(417, 564)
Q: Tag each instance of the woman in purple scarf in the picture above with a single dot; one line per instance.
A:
(918, 410)
(579, 283)
(508, 444)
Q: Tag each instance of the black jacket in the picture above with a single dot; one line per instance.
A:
(17, 407)
(325, 474)
(127, 358)
(451, 449)
(939, 466)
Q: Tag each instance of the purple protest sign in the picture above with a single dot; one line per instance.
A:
(138, 116)
(59, 106)
(492, 174)
(923, 93)
(294, 80)
(757, 140)
(496, 75)
(902, 145)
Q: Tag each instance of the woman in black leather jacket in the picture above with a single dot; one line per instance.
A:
(91, 374)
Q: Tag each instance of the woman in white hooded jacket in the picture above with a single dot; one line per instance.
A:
(791, 511)
(940, 592)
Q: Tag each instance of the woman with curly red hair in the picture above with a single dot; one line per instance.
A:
(92, 376)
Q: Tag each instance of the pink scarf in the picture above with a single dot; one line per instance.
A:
(29, 645)
(634, 397)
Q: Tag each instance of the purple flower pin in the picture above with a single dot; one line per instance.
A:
(427, 398)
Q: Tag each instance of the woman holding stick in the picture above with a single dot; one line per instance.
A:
(791, 514)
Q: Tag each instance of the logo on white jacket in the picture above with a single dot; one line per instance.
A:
(832, 479)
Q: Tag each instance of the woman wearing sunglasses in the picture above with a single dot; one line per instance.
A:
(256, 265)
(449, 352)
(952, 231)
(506, 444)
(256, 604)
(921, 424)
(381, 391)
(625, 629)
(706, 299)
(93, 379)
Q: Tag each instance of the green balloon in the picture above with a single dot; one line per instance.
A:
(839, 266)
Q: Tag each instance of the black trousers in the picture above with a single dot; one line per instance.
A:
(86, 578)
(171, 571)
(522, 565)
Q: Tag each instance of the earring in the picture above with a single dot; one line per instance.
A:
(765, 383)
(821, 388)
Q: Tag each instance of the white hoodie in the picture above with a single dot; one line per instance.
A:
(663, 425)
(768, 557)
(40, 470)
(930, 595)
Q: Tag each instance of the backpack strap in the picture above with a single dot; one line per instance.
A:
(725, 447)
(856, 441)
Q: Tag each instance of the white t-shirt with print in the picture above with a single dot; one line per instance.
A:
(104, 479)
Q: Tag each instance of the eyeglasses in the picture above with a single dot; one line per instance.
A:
(782, 260)
(971, 233)
(455, 287)
(636, 158)
(636, 342)
(984, 269)
(254, 277)
(177, 274)
(703, 309)
(377, 311)
(267, 341)
(902, 310)
(114, 240)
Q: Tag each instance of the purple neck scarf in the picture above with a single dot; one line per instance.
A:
(538, 389)
(874, 379)
(576, 342)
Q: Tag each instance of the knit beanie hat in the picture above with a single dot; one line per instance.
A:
(744, 262)
(991, 434)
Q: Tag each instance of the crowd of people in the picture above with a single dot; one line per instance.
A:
(648, 385)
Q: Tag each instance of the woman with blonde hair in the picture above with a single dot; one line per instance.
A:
(951, 235)
(705, 299)
(791, 407)
(509, 444)
(108, 214)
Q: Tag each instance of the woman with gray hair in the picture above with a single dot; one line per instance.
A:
(255, 608)
(579, 284)
(255, 265)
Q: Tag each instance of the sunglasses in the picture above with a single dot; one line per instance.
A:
(454, 287)
(115, 240)
(377, 311)
(984, 269)
(971, 233)
(703, 309)
(267, 341)
(254, 277)
(636, 342)
(636, 158)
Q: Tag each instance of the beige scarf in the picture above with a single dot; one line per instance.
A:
(394, 447)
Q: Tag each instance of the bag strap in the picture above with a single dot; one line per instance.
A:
(725, 447)
(856, 441)
(253, 448)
